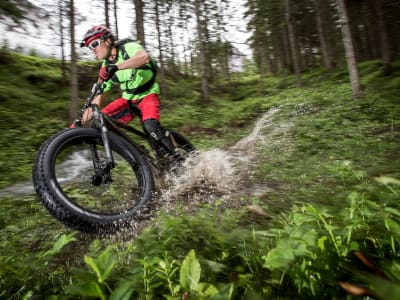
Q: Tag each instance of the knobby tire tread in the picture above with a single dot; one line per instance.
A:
(64, 212)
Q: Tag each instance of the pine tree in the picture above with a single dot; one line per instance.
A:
(349, 48)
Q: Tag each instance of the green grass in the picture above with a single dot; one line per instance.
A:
(323, 156)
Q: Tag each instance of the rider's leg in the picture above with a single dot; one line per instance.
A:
(150, 113)
(154, 129)
(119, 110)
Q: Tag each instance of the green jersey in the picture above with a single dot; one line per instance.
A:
(131, 79)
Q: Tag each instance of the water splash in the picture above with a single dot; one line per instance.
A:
(248, 144)
(203, 176)
(217, 173)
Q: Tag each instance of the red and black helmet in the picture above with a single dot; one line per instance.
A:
(96, 32)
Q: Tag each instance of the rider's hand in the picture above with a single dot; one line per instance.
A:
(107, 72)
(87, 115)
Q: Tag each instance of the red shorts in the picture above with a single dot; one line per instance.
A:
(149, 107)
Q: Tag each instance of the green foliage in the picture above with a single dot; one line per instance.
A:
(331, 162)
(102, 266)
(301, 254)
(21, 272)
(190, 279)
(60, 243)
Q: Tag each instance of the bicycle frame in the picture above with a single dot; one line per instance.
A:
(116, 183)
(105, 123)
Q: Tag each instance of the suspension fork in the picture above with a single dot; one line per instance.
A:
(97, 115)
(95, 158)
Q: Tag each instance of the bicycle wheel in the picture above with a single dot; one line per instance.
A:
(173, 163)
(64, 176)
(183, 144)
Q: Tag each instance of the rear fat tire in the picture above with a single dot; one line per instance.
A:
(63, 208)
(182, 142)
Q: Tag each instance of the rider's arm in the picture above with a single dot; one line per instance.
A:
(99, 100)
(138, 60)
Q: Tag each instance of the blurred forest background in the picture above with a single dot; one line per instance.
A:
(314, 215)
(197, 38)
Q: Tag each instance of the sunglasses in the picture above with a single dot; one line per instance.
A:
(94, 44)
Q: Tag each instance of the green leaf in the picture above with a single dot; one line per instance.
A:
(209, 291)
(392, 225)
(321, 242)
(162, 264)
(278, 258)
(310, 237)
(216, 267)
(384, 288)
(190, 272)
(90, 289)
(387, 180)
(176, 289)
(393, 211)
(62, 241)
(300, 249)
(103, 264)
(122, 292)
(354, 246)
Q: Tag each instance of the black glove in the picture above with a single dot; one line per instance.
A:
(107, 72)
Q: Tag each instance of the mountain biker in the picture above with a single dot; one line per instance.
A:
(128, 65)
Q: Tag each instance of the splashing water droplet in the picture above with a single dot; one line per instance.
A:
(217, 173)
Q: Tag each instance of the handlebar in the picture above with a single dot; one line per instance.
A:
(95, 90)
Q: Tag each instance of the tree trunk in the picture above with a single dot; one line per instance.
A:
(286, 47)
(106, 13)
(163, 84)
(173, 65)
(226, 47)
(292, 41)
(116, 19)
(206, 39)
(226, 68)
(349, 49)
(383, 38)
(61, 24)
(373, 30)
(139, 22)
(321, 15)
(192, 62)
(74, 72)
(279, 41)
(203, 72)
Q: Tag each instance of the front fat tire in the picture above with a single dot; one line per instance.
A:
(61, 205)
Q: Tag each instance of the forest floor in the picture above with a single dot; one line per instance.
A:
(289, 180)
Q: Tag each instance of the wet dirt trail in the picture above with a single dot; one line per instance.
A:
(217, 175)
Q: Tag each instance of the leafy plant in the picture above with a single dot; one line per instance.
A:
(102, 266)
(166, 271)
(190, 273)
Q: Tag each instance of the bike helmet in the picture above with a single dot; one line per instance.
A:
(98, 31)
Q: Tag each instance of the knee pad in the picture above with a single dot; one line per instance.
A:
(154, 129)
(159, 134)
